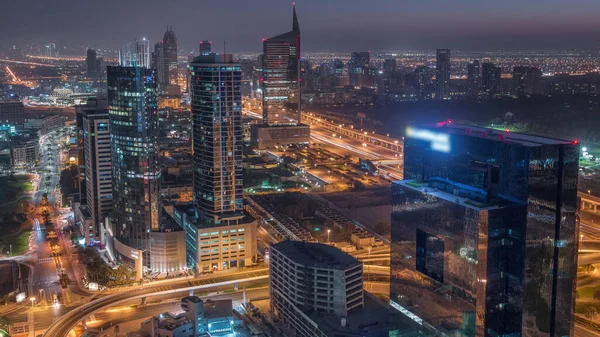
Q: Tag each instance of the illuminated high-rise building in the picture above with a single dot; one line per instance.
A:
(526, 81)
(205, 47)
(281, 77)
(170, 57)
(473, 79)
(135, 54)
(484, 232)
(133, 116)
(280, 85)
(217, 135)
(442, 74)
(491, 77)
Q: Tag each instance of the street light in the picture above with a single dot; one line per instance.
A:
(32, 299)
(328, 232)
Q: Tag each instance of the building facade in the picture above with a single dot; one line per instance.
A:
(473, 79)
(205, 47)
(12, 112)
(136, 54)
(491, 77)
(442, 74)
(308, 279)
(136, 174)
(484, 232)
(97, 164)
(281, 77)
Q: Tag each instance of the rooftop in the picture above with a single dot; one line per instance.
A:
(315, 254)
(428, 190)
(488, 133)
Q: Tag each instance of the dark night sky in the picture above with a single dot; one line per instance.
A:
(326, 25)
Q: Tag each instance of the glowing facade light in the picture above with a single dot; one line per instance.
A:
(439, 141)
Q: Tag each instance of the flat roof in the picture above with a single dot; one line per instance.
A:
(315, 254)
(426, 189)
(493, 134)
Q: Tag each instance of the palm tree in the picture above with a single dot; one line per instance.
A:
(597, 295)
(590, 313)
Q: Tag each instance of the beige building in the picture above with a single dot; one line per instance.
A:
(167, 251)
(213, 247)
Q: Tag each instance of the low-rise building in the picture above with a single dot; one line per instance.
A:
(24, 152)
(264, 137)
(199, 318)
(211, 247)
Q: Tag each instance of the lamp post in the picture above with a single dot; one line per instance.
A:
(328, 232)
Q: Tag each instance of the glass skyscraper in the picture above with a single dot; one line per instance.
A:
(442, 74)
(136, 54)
(281, 77)
(133, 117)
(484, 232)
(217, 137)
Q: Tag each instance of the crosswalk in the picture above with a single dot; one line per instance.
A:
(45, 260)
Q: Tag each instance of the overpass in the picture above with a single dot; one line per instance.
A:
(589, 202)
(338, 128)
(63, 325)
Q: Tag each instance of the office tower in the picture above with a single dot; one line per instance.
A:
(91, 63)
(358, 66)
(157, 62)
(50, 50)
(423, 83)
(318, 291)
(389, 66)
(340, 71)
(218, 215)
(12, 112)
(442, 74)
(473, 79)
(135, 54)
(97, 164)
(281, 77)
(490, 80)
(484, 232)
(170, 57)
(205, 47)
(280, 88)
(526, 81)
(217, 133)
(133, 126)
(101, 67)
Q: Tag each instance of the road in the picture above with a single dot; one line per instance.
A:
(62, 326)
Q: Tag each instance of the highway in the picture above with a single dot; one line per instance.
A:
(65, 323)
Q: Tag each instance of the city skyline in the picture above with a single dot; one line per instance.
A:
(382, 25)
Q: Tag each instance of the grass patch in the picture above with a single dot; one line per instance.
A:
(415, 184)
(587, 292)
(20, 243)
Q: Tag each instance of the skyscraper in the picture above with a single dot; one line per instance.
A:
(490, 80)
(135, 54)
(205, 47)
(442, 74)
(133, 126)
(97, 164)
(358, 67)
(91, 63)
(217, 136)
(526, 81)
(423, 83)
(158, 63)
(281, 77)
(473, 79)
(170, 57)
(484, 232)
(280, 86)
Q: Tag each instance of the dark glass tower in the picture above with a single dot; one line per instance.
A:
(217, 137)
(484, 232)
(205, 47)
(473, 79)
(170, 57)
(491, 77)
(91, 63)
(281, 77)
(135, 172)
(442, 74)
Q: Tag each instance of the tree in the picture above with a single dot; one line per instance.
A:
(590, 313)
(597, 295)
